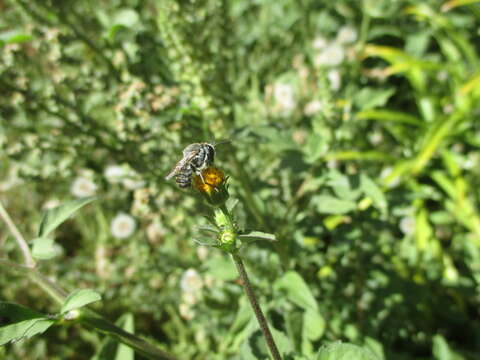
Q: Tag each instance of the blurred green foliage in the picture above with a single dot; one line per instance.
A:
(354, 138)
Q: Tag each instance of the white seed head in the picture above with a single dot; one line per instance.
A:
(191, 281)
(347, 35)
(335, 79)
(122, 226)
(83, 187)
(332, 55)
(312, 107)
(284, 97)
(114, 173)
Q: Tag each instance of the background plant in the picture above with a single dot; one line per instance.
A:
(354, 140)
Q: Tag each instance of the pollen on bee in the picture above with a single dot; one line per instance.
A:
(211, 178)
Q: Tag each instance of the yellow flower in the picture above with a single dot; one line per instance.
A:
(213, 178)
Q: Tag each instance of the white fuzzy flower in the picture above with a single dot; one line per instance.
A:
(312, 107)
(335, 79)
(114, 173)
(284, 97)
(155, 233)
(332, 55)
(191, 281)
(122, 226)
(407, 225)
(83, 187)
(133, 184)
(376, 138)
(319, 43)
(347, 35)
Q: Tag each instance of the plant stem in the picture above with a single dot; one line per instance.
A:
(27, 255)
(255, 306)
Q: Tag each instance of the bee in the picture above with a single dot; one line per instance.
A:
(196, 157)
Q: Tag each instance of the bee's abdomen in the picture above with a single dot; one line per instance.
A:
(184, 178)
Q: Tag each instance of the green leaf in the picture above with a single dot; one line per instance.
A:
(126, 17)
(283, 342)
(344, 351)
(256, 235)
(313, 327)
(441, 350)
(341, 186)
(372, 190)
(370, 97)
(389, 116)
(79, 298)
(110, 347)
(125, 352)
(297, 290)
(24, 329)
(327, 204)
(56, 216)
(15, 312)
(25, 322)
(375, 346)
(43, 248)
(313, 324)
(255, 346)
(14, 37)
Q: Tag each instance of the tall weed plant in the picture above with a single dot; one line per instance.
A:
(352, 159)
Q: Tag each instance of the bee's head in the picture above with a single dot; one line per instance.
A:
(210, 149)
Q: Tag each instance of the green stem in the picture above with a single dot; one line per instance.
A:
(22, 244)
(255, 306)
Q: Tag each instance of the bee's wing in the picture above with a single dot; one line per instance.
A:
(181, 165)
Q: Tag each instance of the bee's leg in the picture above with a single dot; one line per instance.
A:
(201, 177)
(198, 171)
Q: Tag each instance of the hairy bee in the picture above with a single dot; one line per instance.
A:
(196, 157)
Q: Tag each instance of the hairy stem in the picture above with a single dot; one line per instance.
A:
(256, 307)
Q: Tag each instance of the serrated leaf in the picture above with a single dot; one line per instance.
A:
(79, 298)
(56, 216)
(327, 204)
(344, 351)
(43, 248)
(297, 290)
